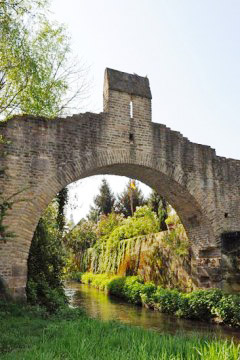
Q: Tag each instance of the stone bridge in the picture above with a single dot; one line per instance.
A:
(45, 155)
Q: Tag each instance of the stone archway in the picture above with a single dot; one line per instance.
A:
(46, 155)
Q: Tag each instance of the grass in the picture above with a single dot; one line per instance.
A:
(29, 333)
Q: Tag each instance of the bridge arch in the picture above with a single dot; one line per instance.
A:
(120, 163)
(45, 155)
(196, 223)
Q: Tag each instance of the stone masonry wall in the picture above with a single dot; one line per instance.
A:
(149, 256)
(43, 156)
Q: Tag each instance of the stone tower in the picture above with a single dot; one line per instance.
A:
(126, 96)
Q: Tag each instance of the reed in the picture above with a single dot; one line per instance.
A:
(27, 333)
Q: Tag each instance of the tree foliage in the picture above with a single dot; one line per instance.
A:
(100, 246)
(107, 224)
(176, 237)
(77, 241)
(61, 198)
(35, 74)
(46, 262)
(143, 222)
(129, 199)
(103, 202)
(81, 237)
(159, 205)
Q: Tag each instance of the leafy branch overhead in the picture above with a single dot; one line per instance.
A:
(36, 76)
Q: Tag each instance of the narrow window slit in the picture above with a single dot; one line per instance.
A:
(131, 109)
(131, 138)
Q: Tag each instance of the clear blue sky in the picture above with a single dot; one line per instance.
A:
(189, 49)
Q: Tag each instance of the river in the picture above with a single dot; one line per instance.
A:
(99, 305)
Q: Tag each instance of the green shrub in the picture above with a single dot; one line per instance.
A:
(107, 224)
(68, 313)
(147, 292)
(199, 304)
(167, 301)
(39, 293)
(116, 287)
(184, 310)
(101, 281)
(228, 309)
(133, 288)
(87, 278)
(128, 288)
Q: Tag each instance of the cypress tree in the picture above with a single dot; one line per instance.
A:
(103, 202)
(159, 205)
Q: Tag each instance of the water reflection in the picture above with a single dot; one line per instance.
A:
(97, 304)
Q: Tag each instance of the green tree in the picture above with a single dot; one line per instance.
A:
(35, 74)
(47, 256)
(77, 241)
(107, 224)
(129, 199)
(81, 237)
(46, 262)
(159, 205)
(103, 202)
(143, 222)
(61, 198)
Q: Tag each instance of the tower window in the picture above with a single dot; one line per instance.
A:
(131, 109)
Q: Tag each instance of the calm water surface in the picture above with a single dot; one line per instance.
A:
(97, 304)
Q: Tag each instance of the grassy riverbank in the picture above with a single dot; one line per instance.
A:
(29, 333)
(205, 305)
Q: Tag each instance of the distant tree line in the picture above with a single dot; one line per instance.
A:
(126, 202)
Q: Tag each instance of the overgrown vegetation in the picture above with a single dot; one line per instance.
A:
(206, 305)
(99, 247)
(29, 333)
(47, 258)
(5, 205)
(103, 247)
(176, 238)
(107, 248)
